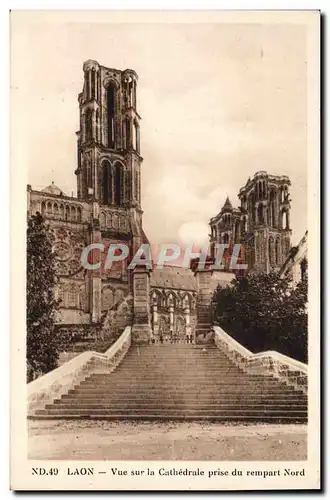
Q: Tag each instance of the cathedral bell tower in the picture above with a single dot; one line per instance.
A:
(109, 158)
(265, 221)
(109, 176)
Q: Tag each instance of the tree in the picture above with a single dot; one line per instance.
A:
(265, 312)
(42, 343)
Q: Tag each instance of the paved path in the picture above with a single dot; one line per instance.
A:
(104, 440)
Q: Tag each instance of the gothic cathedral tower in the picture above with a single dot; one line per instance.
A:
(109, 176)
(265, 221)
(109, 139)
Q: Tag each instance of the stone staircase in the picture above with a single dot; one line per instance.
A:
(184, 382)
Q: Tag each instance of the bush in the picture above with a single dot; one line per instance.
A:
(42, 348)
(265, 312)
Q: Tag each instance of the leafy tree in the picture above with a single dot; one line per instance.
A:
(265, 312)
(42, 343)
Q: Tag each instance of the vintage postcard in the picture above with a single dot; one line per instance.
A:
(165, 213)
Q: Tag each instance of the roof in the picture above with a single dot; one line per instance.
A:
(180, 278)
(53, 189)
(227, 204)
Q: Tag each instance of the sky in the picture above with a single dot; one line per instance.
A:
(218, 103)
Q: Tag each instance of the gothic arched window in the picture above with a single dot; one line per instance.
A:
(106, 182)
(127, 133)
(118, 175)
(271, 250)
(136, 140)
(111, 98)
(244, 224)
(251, 209)
(127, 186)
(97, 126)
(237, 231)
(271, 215)
(278, 251)
(89, 125)
(73, 213)
(260, 214)
(86, 86)
(285, 220)
(93, 83)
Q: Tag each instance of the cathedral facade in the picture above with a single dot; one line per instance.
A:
(107, 208)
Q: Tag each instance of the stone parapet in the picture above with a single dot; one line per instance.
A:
(59, 381)
(283, 368)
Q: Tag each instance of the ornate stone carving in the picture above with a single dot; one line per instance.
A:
(67, 248)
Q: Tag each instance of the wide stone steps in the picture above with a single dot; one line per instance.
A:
(114, 406)
(173, 380)
(187, 399)
(182, 382)
(195, 417)
(170, 413)
(218, 389)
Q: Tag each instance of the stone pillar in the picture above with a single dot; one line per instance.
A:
(94, 124)
(89, 84)
(95, 274)
(187, 320)
(155, 319)
(154, 315)
(204, 300)
(141, 330)
(187, 316)
(171, 311)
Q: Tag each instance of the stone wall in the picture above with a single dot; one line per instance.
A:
(141, 330)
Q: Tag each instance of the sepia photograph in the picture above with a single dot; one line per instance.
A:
(165, 214)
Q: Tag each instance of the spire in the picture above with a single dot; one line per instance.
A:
(227, 204)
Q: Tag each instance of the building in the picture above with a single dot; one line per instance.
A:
(107, 210)
(173, 302)
(261, 224)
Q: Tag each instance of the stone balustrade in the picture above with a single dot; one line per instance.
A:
(59, 381)
(294, 373)
(234, 350)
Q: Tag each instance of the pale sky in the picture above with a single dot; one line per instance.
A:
(218, 103)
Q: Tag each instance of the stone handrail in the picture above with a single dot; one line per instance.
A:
(54, 384)
(292, 372)
(234, 350)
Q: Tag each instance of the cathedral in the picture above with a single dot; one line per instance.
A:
(108, 210)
